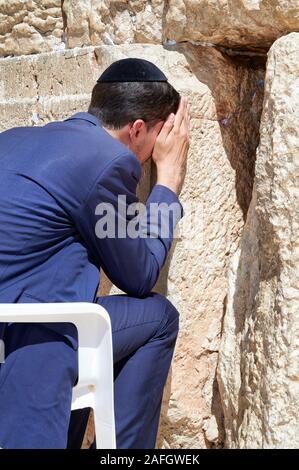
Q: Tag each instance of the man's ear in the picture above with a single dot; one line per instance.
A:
(136, 129)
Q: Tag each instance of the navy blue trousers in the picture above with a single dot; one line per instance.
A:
(41, 368)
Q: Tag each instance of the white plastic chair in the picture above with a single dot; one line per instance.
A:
(95, 383)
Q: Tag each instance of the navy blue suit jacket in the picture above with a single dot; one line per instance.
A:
(51, 180)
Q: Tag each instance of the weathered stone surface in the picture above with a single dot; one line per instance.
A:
(224, 130)
(233, 23)
(237, 23)
(29, 96)
(226, 98)
(259, 367)
(113, 21)
(30, 26)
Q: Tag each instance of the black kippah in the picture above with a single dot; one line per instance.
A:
(132, 70)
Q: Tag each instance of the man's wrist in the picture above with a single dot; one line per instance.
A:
(169, 182)
(165, 195)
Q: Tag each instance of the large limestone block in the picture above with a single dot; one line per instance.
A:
(226, 98)
(259, 361)
(113, 21)
(233, 23)
(30, 26)
(39, 88)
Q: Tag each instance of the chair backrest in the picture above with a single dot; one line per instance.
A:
(91, 320)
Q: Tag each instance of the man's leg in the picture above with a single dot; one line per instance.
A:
(144, 335)
(36, 383)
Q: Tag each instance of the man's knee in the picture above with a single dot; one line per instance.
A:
(169, 314)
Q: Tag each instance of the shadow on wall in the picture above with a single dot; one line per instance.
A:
(237, 88)
(238, 97)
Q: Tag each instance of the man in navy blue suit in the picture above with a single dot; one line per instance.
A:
(60, 222)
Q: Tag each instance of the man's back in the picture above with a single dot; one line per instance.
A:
(46, 174)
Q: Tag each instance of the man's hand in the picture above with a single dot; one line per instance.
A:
(171, 149)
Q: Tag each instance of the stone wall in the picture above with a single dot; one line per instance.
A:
(30, 26)
(216, 194)
(33, 26)
(113, 21)
(259, 360)
(228, 282)
(249, 24)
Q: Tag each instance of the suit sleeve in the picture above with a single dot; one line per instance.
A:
(130, 248)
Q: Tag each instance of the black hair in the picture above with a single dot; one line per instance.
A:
(119, 103)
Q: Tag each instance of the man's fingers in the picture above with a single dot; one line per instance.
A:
(184, 127)
(167, 127)
(186, 120)
(180, 113)
(176, 123)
